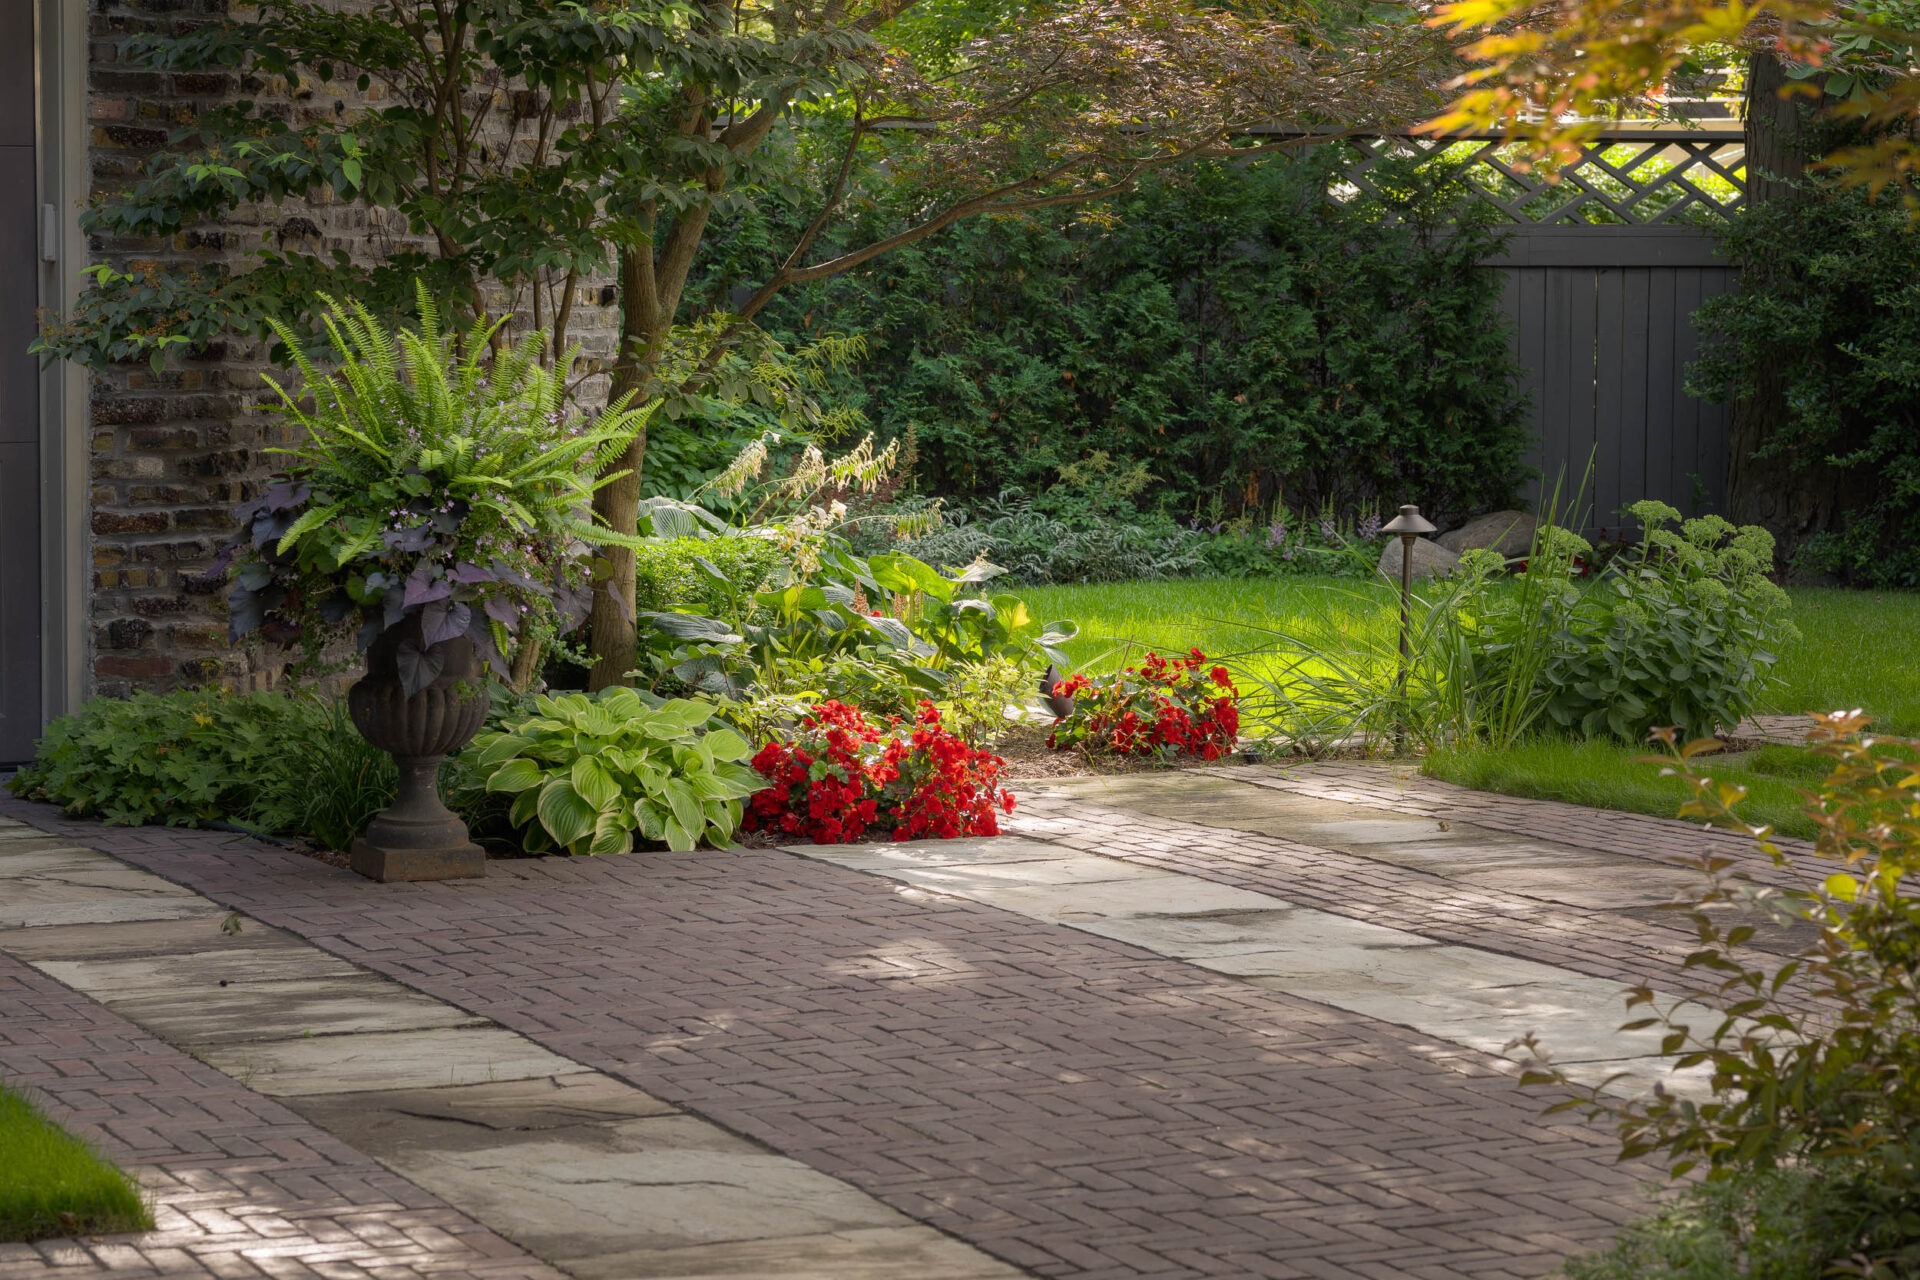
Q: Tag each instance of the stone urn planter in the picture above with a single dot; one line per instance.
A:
(418, 837)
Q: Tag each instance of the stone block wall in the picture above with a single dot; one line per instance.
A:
(174, 452)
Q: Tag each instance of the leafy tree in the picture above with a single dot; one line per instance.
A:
(527, 145)
(1554, 74)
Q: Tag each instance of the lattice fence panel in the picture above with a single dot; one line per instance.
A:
(1634, 182)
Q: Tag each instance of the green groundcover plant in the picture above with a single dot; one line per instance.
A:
(269, 762)
(1811, 1142)
(53, 1184)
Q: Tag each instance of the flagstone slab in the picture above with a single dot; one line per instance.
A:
(379, 1121)
(938, 853)
(172, 974)
(251, 1012)
(141, 938)
(385, 1060)
(1148, 893)
(49, 883)
(591, 1190)
(872, 1253)
(1065, 867)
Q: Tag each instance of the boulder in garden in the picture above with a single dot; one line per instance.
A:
(1508, 532)
(1430, 559)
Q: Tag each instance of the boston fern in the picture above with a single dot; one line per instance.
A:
(435, 476)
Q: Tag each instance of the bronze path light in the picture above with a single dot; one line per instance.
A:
(1409, 525)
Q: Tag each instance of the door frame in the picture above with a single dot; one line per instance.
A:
(66, 574)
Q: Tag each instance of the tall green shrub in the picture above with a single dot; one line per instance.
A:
(1246, 335)
(1829, 308)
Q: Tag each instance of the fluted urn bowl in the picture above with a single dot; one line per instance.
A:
(417, 837)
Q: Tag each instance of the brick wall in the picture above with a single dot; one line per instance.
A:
(173, 452)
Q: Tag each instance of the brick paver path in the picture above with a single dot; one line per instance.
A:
(242, 1186)
(1076, 1106)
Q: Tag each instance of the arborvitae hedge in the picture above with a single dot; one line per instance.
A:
(1244, 333)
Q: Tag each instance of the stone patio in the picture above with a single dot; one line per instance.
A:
(1245, 1022)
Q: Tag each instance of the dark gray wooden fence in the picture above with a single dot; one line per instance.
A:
(1604, 271)
(1603, 326)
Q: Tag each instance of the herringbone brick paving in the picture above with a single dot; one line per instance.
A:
(242, 1186)
(1074, 1105)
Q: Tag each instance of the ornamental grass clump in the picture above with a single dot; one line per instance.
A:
(839, 776)
(1165, 707)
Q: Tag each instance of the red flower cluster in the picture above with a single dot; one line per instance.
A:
(842, 776)
(1164, 706)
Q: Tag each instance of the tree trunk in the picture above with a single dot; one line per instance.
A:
(1791, 495)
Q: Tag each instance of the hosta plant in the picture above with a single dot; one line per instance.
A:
(589, 772)
(435, 475)
(1164, 707)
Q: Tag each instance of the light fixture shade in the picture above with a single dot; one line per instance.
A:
(1409, 521)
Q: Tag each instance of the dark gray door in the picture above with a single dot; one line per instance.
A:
(19, 392)
(1603, 328)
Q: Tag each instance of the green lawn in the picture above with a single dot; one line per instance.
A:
(1855, 648)
(52, 1184)
(1225, 617)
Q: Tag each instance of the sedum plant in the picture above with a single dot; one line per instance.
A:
(1679, 629)
(435, 476)
(589, 771)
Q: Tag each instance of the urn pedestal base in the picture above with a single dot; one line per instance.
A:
(386, 863)
(417, 837)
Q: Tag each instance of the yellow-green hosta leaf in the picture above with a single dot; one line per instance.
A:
(515, 776)
(726, 745)
(722, 818)
(526, 806)
(501, 747)
(679, 839)
(564, 814)
(610, 835)
(713, 786)
(594, 784)
(684, 714)
(683, 802)
(652, 818)
(744, 779)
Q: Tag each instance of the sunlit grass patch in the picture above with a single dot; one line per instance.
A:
(53, 1184)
